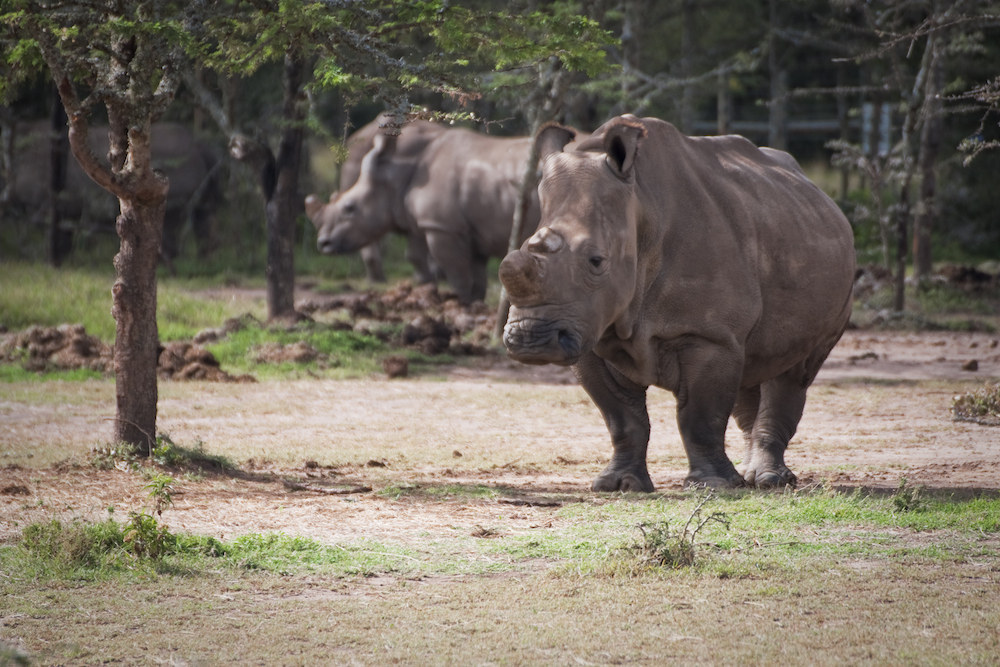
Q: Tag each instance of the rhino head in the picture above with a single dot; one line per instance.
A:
(572, 282)
(363, 213)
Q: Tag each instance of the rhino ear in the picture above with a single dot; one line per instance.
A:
(552, 138)
(383, 146)
(621, 144)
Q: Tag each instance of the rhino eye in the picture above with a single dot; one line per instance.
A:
(596, 261)
(349, 209)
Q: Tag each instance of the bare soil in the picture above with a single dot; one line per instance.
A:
(320, 458)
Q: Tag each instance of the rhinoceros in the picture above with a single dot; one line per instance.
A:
(396, 170)
(461, 197)
(702, 265)
(190, 164)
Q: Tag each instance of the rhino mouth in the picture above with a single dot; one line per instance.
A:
(538, 341)
(337, 244)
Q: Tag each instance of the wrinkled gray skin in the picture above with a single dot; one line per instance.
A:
(187, 162)
(461, 197)
(702, 265)
(395, 173)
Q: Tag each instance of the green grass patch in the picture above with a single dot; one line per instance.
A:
(345, 352)
(39, 294)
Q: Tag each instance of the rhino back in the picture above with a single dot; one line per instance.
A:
(467, 183)
(743, 241)
(413, 139)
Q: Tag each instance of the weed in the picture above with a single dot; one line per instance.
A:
(666, 547)
(145, 537)
(907, 498)
(121, 455)
(981, 406)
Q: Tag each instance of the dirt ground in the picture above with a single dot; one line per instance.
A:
(320, 458)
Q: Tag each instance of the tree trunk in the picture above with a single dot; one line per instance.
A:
(688, 48)
(777, 133)
(930, 144)
(723, 108)
(284, 202)
(60, 238)
(140, 228)
(549, 95)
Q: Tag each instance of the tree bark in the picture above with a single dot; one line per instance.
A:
(688, 49)
(777, 133)
(60, 238)
(930, 144)
(283, 204)
(139, 227)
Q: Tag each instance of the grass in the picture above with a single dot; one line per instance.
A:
(793, 571)
(38, 294)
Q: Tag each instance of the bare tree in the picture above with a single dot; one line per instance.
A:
(133, 76)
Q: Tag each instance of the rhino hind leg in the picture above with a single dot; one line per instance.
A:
(623, 406)
(777, 415)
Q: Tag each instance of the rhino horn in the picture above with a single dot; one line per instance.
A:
(518, 273)
(313, 205)
(552, 138)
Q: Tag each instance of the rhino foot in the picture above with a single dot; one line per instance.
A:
(777, 478)
(620, 480)
(713, 480)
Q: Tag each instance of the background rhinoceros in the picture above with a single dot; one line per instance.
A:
(460, 196)
(190, 164)
(396, 168)
(702, 265)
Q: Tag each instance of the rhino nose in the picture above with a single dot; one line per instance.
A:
(519, 274)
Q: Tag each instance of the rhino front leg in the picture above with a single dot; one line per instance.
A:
(623, 406)
(453, 255)
(706, 394)
(371, 255)
(781, 403)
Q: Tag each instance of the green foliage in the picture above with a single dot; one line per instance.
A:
(907, 498)
(118, 455)
(981, 406)
(347, 351)
(40, 294)
(674, 548)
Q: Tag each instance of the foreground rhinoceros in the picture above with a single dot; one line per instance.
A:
(702, 265)
(460, 196)
(395, 170)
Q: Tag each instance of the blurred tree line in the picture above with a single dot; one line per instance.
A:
(901, 93)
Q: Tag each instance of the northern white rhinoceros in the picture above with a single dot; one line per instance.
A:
(189, 163)
(702, 265)
(461, 196)
(396, 169)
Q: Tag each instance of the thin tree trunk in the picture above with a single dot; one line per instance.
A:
(551, 92)
(60, 239)
(688, 48)
(284, 202)
(723, 108)
(140, 229)
(930, 144)
(777, 130)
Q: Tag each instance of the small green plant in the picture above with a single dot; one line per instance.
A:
(907, 498)
(666, 547)
(121, 455)
(981, 406)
